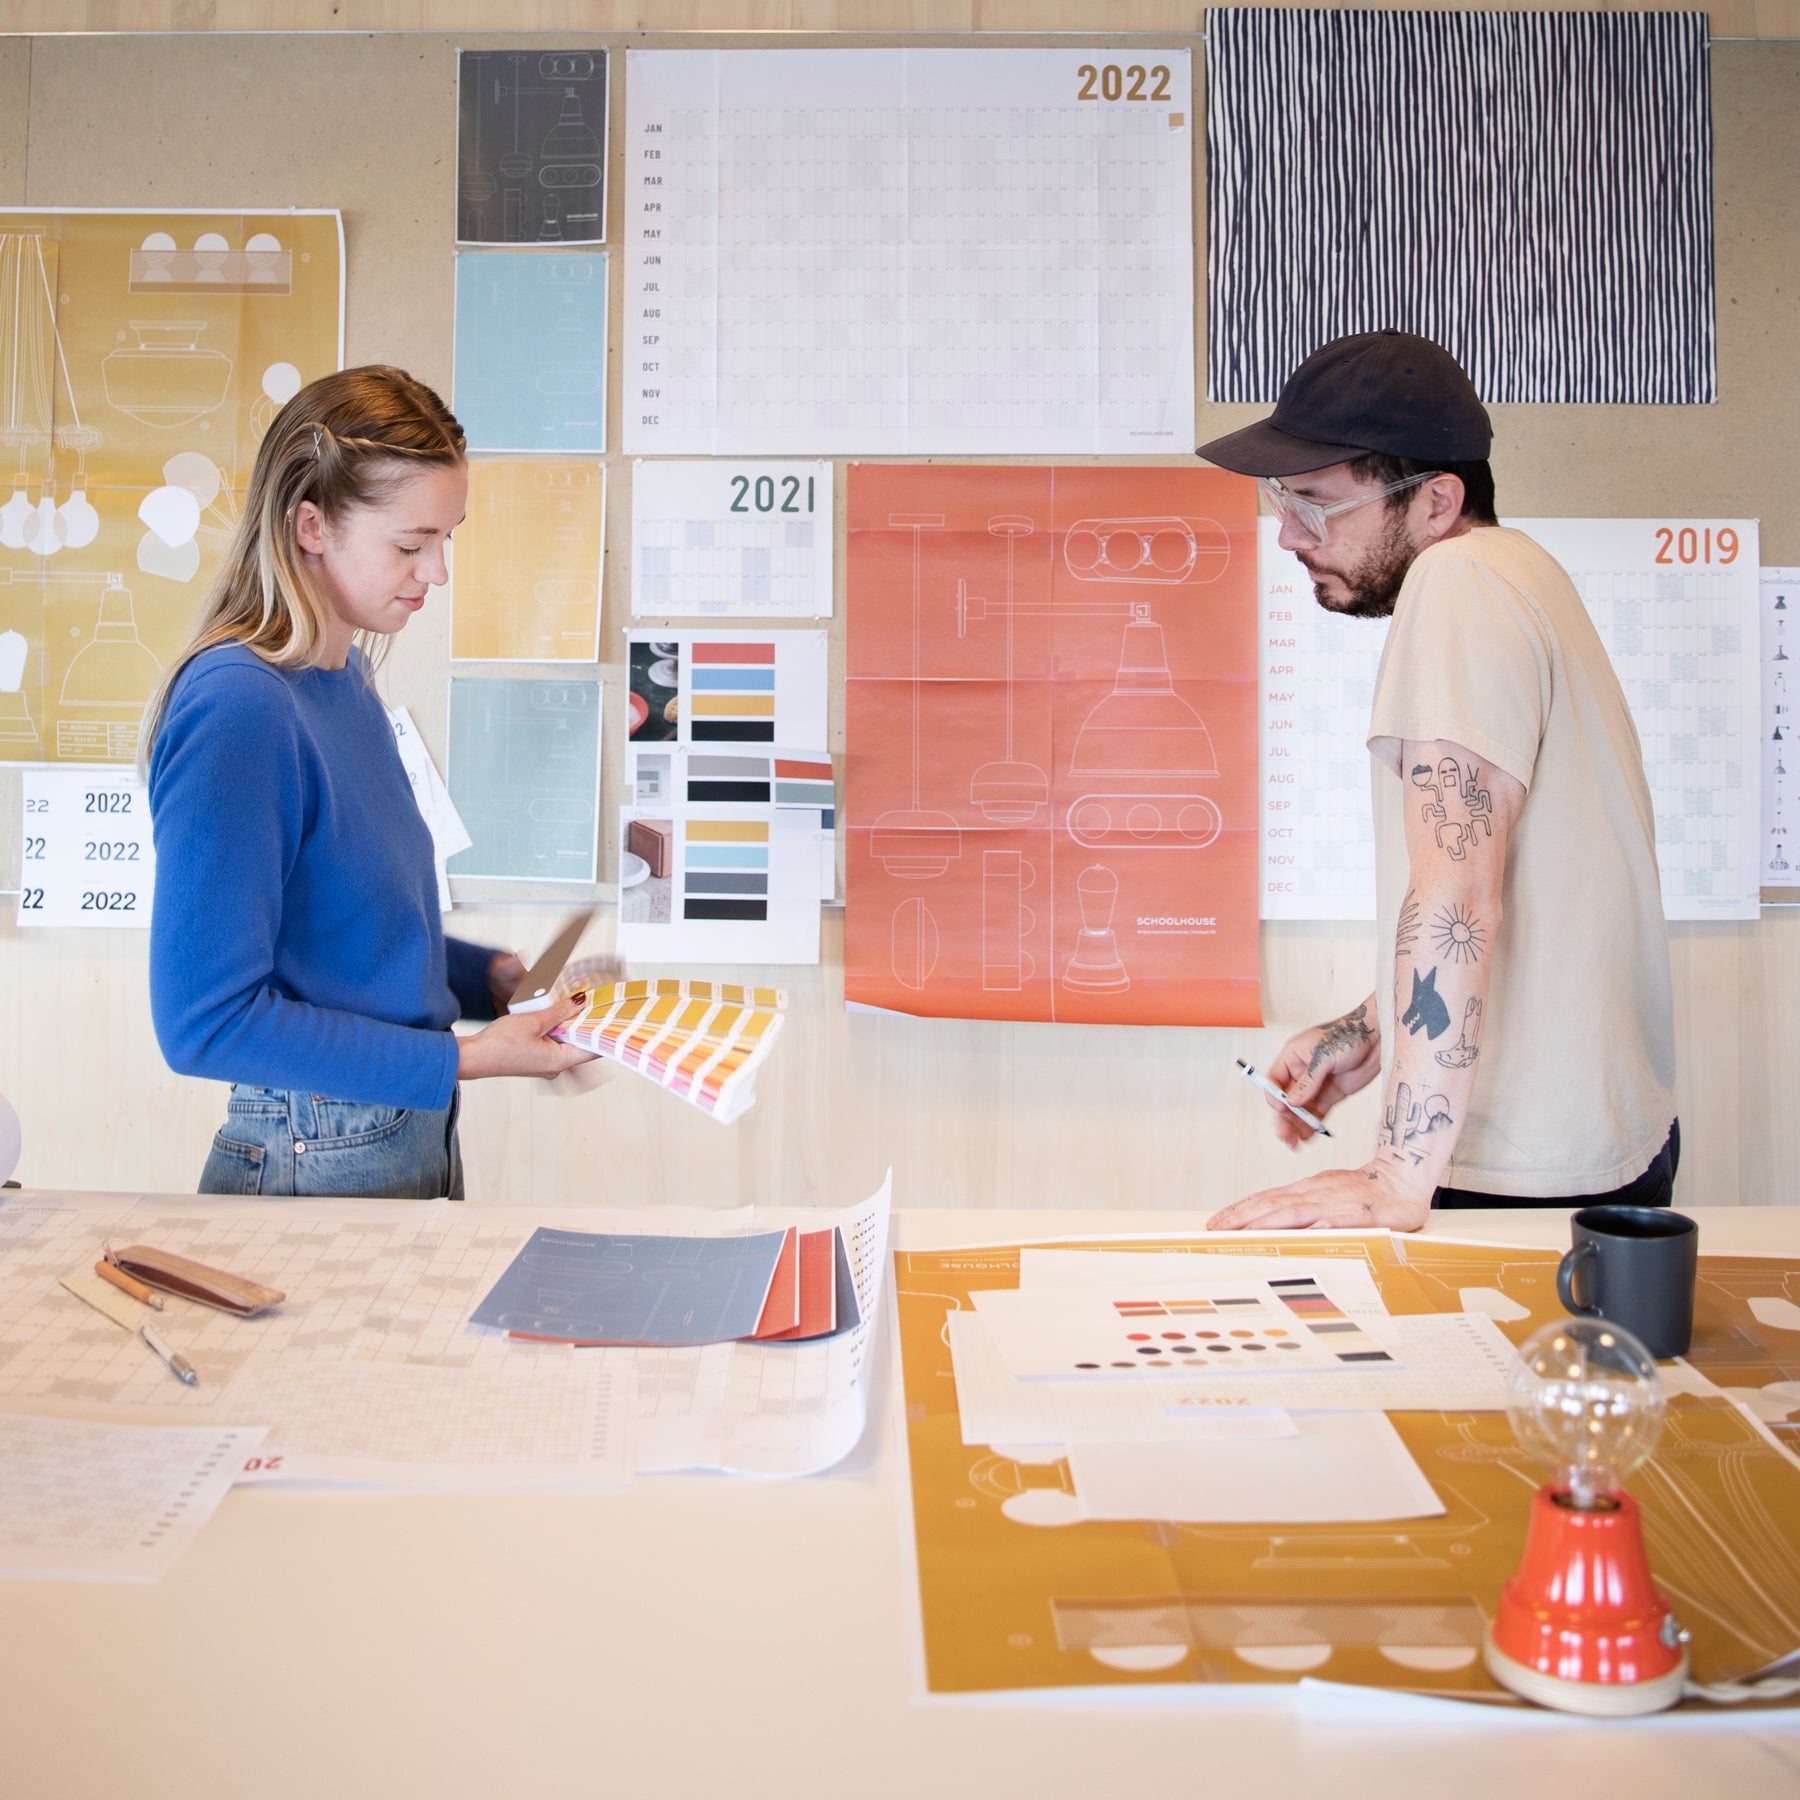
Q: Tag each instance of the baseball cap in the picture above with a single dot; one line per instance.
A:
(1386, 391)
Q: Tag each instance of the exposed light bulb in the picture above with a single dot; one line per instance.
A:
(15, 517)
(1585, 1399)
(80, 523)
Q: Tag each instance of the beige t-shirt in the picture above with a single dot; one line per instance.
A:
(1491, 648)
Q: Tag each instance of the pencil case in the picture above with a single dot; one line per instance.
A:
(196, 1281)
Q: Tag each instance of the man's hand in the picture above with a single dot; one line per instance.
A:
(1376, 1194)
(1320, 1067)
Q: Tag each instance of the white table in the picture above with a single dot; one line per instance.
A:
(701, 1636)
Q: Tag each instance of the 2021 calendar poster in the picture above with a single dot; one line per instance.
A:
(1051, 727)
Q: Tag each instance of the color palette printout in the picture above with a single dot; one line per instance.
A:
(731, 539)
(728, 845)
(703, 1041)
(1780, 697)
(526, 562)
(525, 776)
(531, 352)
(88, 858)
(898, 252)
(1051, 803)
(1176, 1330)
(1674, 602)
(531, 146)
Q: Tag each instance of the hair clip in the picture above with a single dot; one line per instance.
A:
(315, 443)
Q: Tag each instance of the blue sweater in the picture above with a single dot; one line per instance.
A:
(295, 941)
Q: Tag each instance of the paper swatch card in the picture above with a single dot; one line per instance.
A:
(731, 539)
(598, 1288)
(717, 688)
(703, 1041)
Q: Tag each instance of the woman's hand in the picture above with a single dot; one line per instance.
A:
(1318, 1068)
(521, 1044)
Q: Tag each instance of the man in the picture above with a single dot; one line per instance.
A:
(1522, 995)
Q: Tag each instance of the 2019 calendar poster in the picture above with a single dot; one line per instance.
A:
(1051, 725)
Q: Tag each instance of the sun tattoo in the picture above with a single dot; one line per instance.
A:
(1458, 935)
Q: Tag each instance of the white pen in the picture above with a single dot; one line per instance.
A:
(179, 1366)
(1275, 1093)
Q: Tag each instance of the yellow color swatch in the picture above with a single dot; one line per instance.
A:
(525, 583)
(727, 831)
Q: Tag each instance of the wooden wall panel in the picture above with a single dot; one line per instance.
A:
(967, 1113)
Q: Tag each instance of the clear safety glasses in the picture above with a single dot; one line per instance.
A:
(1315, 519)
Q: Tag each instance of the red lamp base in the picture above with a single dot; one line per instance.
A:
(1581, 1627)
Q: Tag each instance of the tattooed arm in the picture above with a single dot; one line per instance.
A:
(1460, 811)
(1318, 1068)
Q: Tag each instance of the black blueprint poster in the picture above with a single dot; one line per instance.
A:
(531, 147)
(1533, 190)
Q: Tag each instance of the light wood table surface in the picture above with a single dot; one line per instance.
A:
(701, 1635)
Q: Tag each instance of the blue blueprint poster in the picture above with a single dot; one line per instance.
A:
(531, 351)
(597, 1288)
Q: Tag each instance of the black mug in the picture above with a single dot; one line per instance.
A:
(1637, 1265)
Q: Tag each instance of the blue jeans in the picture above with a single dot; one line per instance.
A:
(280, 1143)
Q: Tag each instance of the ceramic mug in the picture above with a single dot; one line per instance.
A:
(1634, 1266)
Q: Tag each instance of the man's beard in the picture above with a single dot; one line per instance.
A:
(1372, 584)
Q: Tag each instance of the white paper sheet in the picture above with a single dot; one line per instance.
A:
(93, 1501)
(1193, 1330)
(1340, 1468)
(1679, 623)
(1780, 591)
(900, 252)
(448, 833)
(408, 1425)
(87, 856)
(1318, 682)
(996, 1408)
(1455, 1362)
(731, 539)
(1349, 1281)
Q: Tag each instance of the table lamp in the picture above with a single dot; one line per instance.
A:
(1581, 1627)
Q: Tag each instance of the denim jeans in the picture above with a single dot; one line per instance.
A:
(280, 1143)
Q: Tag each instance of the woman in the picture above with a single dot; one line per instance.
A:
(296, 948)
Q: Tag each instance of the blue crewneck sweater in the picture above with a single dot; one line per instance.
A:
(296, 941)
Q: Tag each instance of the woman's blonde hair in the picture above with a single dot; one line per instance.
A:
(345, 441)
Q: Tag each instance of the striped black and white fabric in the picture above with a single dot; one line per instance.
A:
(1532, 190)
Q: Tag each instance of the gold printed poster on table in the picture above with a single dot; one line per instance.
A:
(525, 580)
(142, 357)
(1017, 1591)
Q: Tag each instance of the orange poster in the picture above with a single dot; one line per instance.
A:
(1051, 735)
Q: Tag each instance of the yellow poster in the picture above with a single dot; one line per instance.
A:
(142, 356)
(1019, 1591)
(525, 580)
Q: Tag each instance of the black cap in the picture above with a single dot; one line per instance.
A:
(1386, 391)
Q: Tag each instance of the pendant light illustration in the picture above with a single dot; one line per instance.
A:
(166, 379)
(1008, 792)
(916, 843)
(31, 360)
(112, 669)
(1139, 742)
(15, 715)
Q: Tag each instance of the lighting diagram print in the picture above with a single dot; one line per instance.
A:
(1052, 748)
(142, 357)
